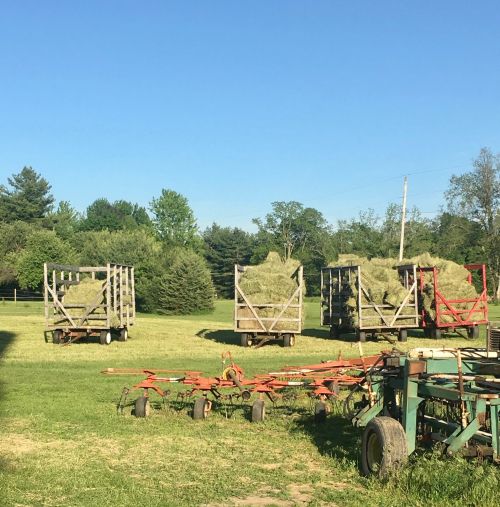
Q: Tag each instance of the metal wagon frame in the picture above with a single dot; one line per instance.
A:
(462, 318)
(333, 300)
(261, 332)
(118, 289)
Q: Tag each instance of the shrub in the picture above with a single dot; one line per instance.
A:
(186, 287)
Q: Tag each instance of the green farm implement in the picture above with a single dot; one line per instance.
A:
(448, 396)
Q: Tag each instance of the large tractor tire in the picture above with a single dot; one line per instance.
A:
(383, 447)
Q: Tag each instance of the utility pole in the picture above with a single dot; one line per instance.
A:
(403, 219)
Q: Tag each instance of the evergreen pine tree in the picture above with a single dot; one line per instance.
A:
(186, 287)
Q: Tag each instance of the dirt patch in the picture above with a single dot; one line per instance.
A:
(301, 493)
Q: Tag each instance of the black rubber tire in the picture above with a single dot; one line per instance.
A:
(200, 409)
(361, 336)
(105, 337)
(334, 332)
(320, 411)
(436, 333)
(258, 411)
(288, 340)
(427, 332)
(142, 407)
(123, 335)
(403, 335)
(246, 339)
(57, 336)
(473, 332)
(383, 447)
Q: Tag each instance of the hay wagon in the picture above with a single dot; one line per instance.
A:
(450, 314)
(105, 308)
(260, 323)
(372, 317)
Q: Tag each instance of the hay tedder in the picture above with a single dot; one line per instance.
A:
(448, 396)
(321, 382)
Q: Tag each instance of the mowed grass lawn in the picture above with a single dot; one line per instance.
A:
(62, 442)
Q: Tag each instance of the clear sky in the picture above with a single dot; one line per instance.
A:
(237, 104)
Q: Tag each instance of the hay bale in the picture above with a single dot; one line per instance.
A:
(452, 283)
(271, 282)
(383, 285)
(89, 292)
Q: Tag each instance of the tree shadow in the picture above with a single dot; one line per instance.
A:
(227, 336)
(6, 338)
(335, 437)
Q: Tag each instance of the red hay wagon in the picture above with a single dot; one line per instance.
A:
(454, 314)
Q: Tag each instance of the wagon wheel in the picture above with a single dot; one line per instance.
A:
(383, 448)
(403, 335)
(57, 336)
(258, 411)
(320, 411)
(436, 333)
(246, 339)
(123, 336)
(361, 336)
(201, 409)
(288, 340)
(473, 332)
(142, 407)
(105, 337)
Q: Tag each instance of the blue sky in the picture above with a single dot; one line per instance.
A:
(238, 104)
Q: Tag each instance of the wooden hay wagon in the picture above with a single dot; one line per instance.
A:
(372, 317)
(108, 308)
(260, 323)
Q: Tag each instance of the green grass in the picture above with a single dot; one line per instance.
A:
(62, 443)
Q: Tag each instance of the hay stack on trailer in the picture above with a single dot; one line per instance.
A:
(87, 300)
(448, 297)
(369, 296)
(268, 301)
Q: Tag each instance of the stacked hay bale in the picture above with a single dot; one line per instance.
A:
(383, 286)
(382, 282)
(89, 292)
(271, 282)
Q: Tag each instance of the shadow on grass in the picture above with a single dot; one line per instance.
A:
(6, 339)
(314, 332)
(227, 336)
(335, 437)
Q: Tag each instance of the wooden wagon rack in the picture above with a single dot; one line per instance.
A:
(336, 290)
(112, 310)
(255, 327)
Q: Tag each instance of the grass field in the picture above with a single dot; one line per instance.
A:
(62, 443)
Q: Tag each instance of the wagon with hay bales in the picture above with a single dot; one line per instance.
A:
(88, 301)
(449, 298)
(369, 297)
(268, 301)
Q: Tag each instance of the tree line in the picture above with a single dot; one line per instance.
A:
(182, 269)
